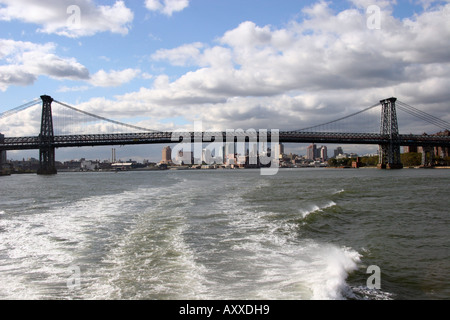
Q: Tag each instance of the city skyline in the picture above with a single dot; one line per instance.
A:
(128, 152)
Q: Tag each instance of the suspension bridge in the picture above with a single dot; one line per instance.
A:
(59, 131)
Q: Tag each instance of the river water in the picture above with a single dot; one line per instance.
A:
(226, 234)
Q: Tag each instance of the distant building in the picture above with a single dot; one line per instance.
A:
(184, 157)
(323, 153)
(281, 146)
(311, 152)
(89, 165)
(113, 155)
(207, 156)
(338, 151)
(357, 163)
(408, 149)
(166, 155)
(122, 166)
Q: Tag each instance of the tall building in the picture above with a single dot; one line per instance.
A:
(230, 150)
(113, 155)
(311, 152)
(207, 156)
(281, 150)
(323, 153)
(166, 155)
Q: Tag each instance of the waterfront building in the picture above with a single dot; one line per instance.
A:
(207, 156)
(281, 147)
(185, 157)
(166, 155)
(323, 153)
(311, 152)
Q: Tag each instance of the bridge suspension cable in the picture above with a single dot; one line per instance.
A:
(337, 120)
(423, 115)
(105, 119)
(20, 108)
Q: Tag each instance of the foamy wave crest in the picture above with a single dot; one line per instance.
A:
(333, 266)
(338, 191)
(316, 208)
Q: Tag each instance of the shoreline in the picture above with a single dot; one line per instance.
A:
(208, 169)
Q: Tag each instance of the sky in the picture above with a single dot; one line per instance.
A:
(164, 64)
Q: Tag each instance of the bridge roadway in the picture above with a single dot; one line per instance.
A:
(65, 141)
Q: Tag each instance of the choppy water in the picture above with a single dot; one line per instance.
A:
(231, 234)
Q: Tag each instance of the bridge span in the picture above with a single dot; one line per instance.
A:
(389, 139)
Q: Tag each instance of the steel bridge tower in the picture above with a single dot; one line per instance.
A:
(389, 154)
(46, 137)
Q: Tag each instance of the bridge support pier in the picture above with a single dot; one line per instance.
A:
(46, 137)
(2, 156)
(47, 161)
(389, 154)
(427, 157)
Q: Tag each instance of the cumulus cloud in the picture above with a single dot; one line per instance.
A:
(71, 18)
(182, 56)
(23, 62)
(113, 78)
(327, 65)
(167, 7)
(325, 51)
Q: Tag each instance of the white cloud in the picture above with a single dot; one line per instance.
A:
(311, 71)
(113, 78)
(23, 62)
(71, 18)
(184, 55)
(73, 89)
(308, 72)
(167, 7)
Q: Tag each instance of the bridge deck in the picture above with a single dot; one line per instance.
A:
(28, 143)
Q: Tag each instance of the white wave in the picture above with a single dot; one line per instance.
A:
(44, 244)
(338, 191)
(316, 208)
(273, 263)
(328, 270)
(152, 259)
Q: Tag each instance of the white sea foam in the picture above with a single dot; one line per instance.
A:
(278, 265)
(339, 191)
(162, 244)
(316, 208)
(44, 244)
(334, 264)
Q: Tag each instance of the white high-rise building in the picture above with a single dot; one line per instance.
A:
(323, 153)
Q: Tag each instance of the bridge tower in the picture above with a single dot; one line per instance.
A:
(2, 154)
(389, 154)
(46, 150)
